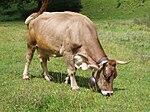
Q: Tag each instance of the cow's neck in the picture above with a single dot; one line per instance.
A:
(96, 51)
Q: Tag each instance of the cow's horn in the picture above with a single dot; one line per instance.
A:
(103, 62)
(93, 66)
(121, 62)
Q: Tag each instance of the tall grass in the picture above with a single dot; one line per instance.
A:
(122, 40)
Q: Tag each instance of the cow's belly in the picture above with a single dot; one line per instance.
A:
(48, 52)
(48, 47)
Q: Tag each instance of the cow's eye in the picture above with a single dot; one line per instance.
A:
(106, 65)
(107, 79)
(114, 65)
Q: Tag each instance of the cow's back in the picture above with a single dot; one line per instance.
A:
(61, 29)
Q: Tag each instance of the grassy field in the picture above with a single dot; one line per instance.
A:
(97, 9)
(116, 9)
(124, 31)
(123, 40)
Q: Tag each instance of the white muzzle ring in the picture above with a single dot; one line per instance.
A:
(106, 92)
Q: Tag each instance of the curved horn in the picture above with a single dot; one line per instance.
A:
(102, 63)
(121, 62)
(96, 67)
(93, 66)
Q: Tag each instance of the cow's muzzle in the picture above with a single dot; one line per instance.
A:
(107, 93)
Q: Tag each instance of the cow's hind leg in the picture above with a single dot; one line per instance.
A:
(71, 70)
(29, 55)
(43, 61)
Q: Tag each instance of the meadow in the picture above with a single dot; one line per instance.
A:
(122, 40)
(124, 32)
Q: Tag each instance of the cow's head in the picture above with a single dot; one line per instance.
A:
(105, 74)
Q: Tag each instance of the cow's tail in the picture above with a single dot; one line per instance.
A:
(34, 15)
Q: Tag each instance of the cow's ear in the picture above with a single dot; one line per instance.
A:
(84, 66)
(121, 62)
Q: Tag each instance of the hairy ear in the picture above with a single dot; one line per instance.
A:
(121, 62)
(84, 66)
(80, 62)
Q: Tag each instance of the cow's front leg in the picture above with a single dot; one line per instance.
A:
(73, 82)
(29, 56)
(43, 61)
(71, 70)
(68, 78)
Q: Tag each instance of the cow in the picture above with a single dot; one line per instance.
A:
(73, 36)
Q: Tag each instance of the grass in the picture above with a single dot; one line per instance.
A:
(123, 40)
(124, 32)
(108, 9)
(97, 9)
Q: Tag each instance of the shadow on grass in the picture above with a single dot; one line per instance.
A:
(59, 77)
(119, 89)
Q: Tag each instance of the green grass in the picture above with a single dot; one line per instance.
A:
(95, 9)
(124, 33)
(122, 40)
(108, 9)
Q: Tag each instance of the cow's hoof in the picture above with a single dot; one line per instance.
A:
(75, 88)
(25, 77)
(47, 77)
(67, 80)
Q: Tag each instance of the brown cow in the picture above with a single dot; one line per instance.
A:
(73, 36)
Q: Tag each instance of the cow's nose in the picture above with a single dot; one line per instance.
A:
(107, 93)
